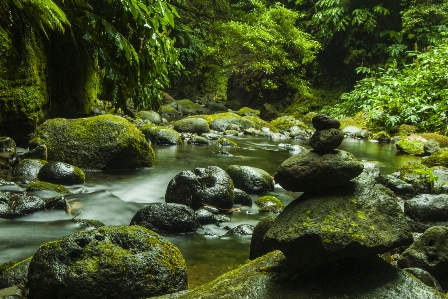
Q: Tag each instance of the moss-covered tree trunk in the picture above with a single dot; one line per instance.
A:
(73, 77)
(23, 88)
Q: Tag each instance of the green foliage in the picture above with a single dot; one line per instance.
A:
(416, 94)
(266, 51)
(131, 39)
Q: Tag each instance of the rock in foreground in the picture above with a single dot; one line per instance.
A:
(109, 262)
(353, 220)
(270, 277)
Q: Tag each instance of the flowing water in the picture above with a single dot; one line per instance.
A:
(114, 198)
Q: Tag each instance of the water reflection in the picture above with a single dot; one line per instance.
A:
(114, 198)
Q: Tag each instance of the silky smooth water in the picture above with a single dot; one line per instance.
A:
(114, 198)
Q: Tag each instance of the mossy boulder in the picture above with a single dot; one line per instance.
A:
(108, 262)
(168, 110)
(45, 186)
(246, 111)
(352, 220)
(101, 142)
(418, 175)
(283, 123)
(150, 116)
(437, 159)
(187, 107)
(192, 125)
(224, 142)
(309, 171)
(201, 186)
(61, 173)
(221, 121)
(29, 168)
(381, 136)
(167, 218)
(259, 123)
(412, 144)
(324, 141)
(443, 140)
(23, 87)
(250, 179)
(269, 203)
(270, 276)
(160, 135)
(407, 129)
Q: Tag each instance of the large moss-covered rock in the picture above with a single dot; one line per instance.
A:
(352, 220)
(151, 116)
(412, 144)
(109, 262)
(271, 277)
(100, 142)
(285, 122)
(201, 186)
(311, 171)
(250, 179)
(221, 121)
(23, 88)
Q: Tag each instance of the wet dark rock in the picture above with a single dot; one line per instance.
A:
(198, 140)
(109, 262)
(352, 220)
(242, 198)
(271, 277)
(15, 205)
(430, 253)
(167, 218)
(201, 186)
(441, 184)
(7, 145)
(28, 168)
(204, 216)
(151, 116)
(250, 179)
(425, 277)
(399, 186)
(257, 245)
(242, 229)
(310, 171)
(57, 203)
(88, 223)
(61, 173)
(100, 142)
(192, 125)
(159, 135)
(39, 152)
(15, 275)
(325, 122)
(211, 234)
(326, 140)
(432, 146)
(426, 210)
(268, 112)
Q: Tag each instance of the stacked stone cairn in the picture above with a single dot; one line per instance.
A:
(340, 215)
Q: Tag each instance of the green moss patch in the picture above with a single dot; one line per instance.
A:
(44, 186)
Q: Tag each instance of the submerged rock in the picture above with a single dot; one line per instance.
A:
(167, 218)
(311, 171)
(352, 220)
(242, 229)
(271, 277)
(100, 142)
(109, 262)
(15, 205)
(201, 186)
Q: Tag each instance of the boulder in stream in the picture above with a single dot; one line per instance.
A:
(250, 179)
(201, 186)
(108, 262)
(167, 218)
(100, 142)
(15, 205)
(61, 173)
(426, 210)
(352, 220)
(29, 168)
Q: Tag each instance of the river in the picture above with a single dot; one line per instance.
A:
(114, 198)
